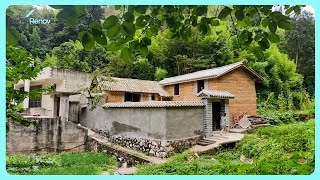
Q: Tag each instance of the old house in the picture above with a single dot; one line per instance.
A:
(175, 109)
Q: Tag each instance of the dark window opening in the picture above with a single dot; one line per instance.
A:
(132, 97)
(35, 102)
(153, 97)
(176, 89)
(200, 85)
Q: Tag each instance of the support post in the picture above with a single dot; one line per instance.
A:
(26, 89)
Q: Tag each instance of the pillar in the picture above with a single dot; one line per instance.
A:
(64, 107)
(26, 89)
(207, 116)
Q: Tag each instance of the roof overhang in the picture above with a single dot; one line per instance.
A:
(215, 94)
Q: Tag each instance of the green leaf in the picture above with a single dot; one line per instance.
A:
(146, 41)
(133, 45)
(115, 46)
(272, 26)
(98, 34)
(95, 26)
(144, 51)
(129, 17)
(149, 32)
(215, 22)
(110, 22)
(224, 12)
(286, 25)
(203, 29)
(258, 53)
(264, 43)
(128, 28)
(265, 22)
(141, 9)
(114, 31)
(80, 35)
(71, 14)
(141, 22)
(247, 21)
(243, 36)
(289, 10)
(117, 7)
(274, 38)
(88, 41)
(99, 37)
(239, 15)
(126, 54)
(12, 36)
(199, 11)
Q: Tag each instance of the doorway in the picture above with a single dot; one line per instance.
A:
(58, 106)
(216, 108)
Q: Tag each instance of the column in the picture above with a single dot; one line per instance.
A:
(26, 89)
(64, 108)
(207, 116)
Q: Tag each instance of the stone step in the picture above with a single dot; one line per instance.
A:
(205, 142)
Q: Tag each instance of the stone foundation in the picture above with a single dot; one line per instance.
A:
(153, 147)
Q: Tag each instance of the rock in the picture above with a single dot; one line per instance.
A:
(164, 143)
(161, 149)
(168, 149)
(163, 154)
(151, 152)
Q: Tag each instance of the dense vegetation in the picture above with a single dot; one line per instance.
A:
(287, 66)
(86, 163)
(287, 149)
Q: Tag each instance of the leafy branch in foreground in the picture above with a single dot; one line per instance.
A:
(131, 31)
(20, 66)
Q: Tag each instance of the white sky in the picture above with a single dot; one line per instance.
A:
(310, 9)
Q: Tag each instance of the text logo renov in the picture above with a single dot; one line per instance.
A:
(35, 20)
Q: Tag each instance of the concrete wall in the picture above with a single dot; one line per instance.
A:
(48, 135)
(183, 122)
(133, 122)
(150, 123)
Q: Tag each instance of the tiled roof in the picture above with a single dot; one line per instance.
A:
(208, 73)
(215, 94)
(155, 104)
(133, 85)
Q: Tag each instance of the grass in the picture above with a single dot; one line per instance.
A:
(286, 149)
(67, 163)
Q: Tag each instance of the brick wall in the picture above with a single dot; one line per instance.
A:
(115, 96)
(236, 82)
(186, 92)
(242, 86)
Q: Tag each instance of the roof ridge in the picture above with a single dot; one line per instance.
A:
(133, 79)
(215, 68)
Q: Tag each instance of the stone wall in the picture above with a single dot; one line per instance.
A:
(47, 135)
(153, 147)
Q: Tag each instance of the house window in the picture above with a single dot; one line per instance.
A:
(35, 102)
(153, 97)
(176, 89)
(200, 85)
(132, 97)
